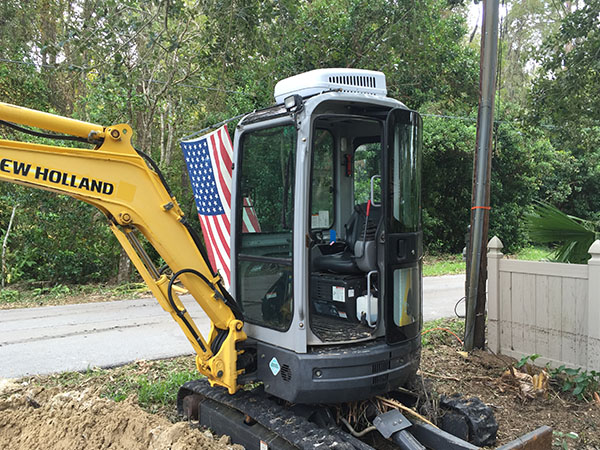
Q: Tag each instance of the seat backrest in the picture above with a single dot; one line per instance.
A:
(355, 227)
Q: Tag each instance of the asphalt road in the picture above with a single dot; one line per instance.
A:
(76, 337)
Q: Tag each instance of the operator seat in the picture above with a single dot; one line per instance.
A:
(359, 253)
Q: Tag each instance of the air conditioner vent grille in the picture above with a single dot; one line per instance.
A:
(354, 80)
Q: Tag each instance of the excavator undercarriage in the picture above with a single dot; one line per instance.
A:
(259, 421)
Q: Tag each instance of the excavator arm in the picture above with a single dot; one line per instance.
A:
(117, 180)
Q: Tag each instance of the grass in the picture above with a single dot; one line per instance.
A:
(450, 264)
(155, 389)
(534, 254)
(441, 332)
(436, 265)
(25, 296)
(153, 383)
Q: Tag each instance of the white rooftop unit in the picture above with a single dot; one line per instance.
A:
(321, 80)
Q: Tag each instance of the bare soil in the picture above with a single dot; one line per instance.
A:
(48, 413)
(36, 417)
(479, 374)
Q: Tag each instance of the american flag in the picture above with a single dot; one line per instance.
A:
(208, 160)
(249, 220)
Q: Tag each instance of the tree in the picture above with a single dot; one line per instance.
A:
(448, 152)
(564, 102)
(169, 67)
(524, 28)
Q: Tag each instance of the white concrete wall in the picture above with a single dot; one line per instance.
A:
(547, 308)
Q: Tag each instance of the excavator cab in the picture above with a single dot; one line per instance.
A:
(326, 237)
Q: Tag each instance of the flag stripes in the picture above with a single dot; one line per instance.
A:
(208, 160)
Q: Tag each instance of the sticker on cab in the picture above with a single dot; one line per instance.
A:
(338, 293)
(274, 366)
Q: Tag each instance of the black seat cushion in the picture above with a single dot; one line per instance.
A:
(341, 262)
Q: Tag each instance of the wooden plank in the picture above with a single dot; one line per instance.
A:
(544, 268)
(593, 330)
(518, 311)
(581, 322)
(493, 335)
(593, 351)
(529, 303)
(569, 320)
(554, 318)
(505, 311)
(542, 346)
(540, 439)
(493, 317)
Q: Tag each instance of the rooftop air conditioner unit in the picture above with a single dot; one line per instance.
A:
(321, 80)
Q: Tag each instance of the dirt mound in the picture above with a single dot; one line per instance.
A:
(34, 417)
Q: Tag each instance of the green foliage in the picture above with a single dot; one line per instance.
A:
(448, 153)
(163, 392)
(154, 383)
(524, 27)
(580, 383)
(516, 174)
(525, 359)
(534, 254)
(518, 164)
(169, 68)
(562, 439)
(563, 100)
(32, 294)
(9, 296)
(58, 290)
(57, 239)
(153, 389)
(549, 225)
(440, 334)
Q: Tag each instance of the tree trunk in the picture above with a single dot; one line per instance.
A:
(124, 268)
(163, 149)
(170, 135)
(4, 243)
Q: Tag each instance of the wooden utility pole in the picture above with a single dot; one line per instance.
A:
(482, 168)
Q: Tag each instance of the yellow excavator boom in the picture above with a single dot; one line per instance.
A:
(116, 179)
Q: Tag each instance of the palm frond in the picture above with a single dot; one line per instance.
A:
(547, 224)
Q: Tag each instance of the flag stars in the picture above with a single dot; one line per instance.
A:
(198, 160)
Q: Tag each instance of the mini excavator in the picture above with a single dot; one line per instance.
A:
(323, 314)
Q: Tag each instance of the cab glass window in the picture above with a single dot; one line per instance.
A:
(366, 166)
(405, 171)
(322, 180)
(265, 210)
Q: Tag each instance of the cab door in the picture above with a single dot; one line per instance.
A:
(402, 237)
(264, 238)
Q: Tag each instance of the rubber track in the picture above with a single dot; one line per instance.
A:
(295, 429)
(480, 418)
